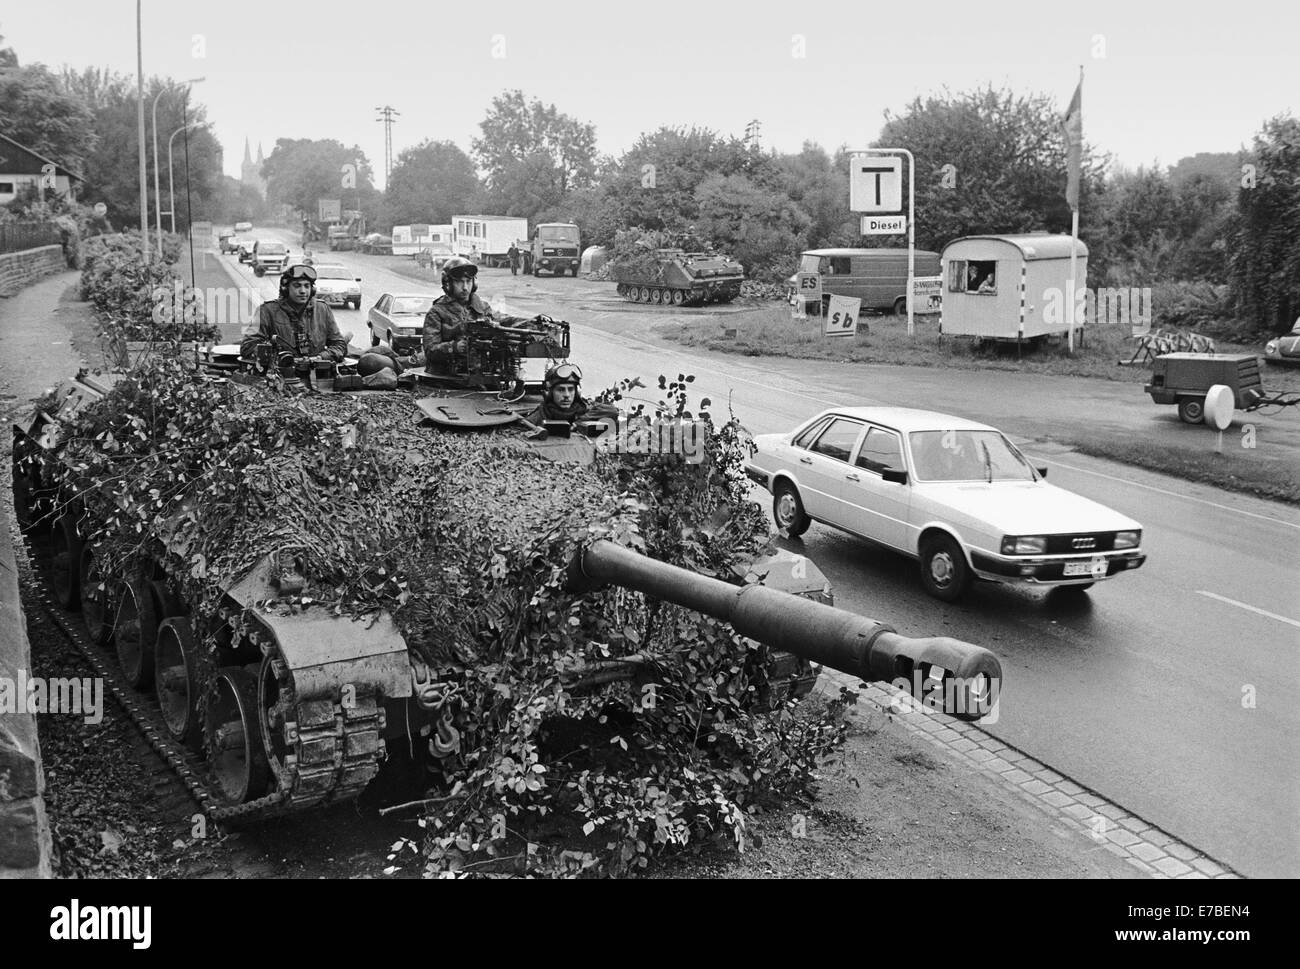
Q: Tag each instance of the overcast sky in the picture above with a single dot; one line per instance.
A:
(1162, 80)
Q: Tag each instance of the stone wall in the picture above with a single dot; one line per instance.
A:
(24, 829)
(19, 269)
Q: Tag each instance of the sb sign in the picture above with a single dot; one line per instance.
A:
(842, 316)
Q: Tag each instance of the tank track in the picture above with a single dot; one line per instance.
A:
(337, 750)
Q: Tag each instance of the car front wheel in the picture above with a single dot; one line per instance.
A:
(944, 571)
(374, 337)
(787, 509)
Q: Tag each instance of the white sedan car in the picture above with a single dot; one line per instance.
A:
(398, 319)
(336, 286)
(952, 493)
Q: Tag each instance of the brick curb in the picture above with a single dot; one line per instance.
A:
(1151, 851)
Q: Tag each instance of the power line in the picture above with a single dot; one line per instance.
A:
(386, 114)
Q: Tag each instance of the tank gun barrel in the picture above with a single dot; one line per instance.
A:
(971, 675)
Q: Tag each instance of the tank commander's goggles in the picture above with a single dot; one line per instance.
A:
(300, 272)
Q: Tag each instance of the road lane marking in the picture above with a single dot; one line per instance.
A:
(1175, 494)
(1242, 605)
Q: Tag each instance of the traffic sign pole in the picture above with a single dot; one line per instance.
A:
(911, 217)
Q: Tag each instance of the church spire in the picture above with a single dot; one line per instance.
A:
(247, 157)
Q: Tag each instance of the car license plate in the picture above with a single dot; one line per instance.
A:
(1095, 567)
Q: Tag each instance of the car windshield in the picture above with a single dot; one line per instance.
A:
(809, 264)
(967, 456)
(412, 304)
(272, 247)
(332, 272)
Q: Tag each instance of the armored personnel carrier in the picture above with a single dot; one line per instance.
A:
(276, 650)
(674, 277)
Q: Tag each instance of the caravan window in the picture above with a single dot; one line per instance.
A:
(981, 276)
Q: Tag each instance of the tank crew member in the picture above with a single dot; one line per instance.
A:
(447, 323)
(561, 400)
(296, 323)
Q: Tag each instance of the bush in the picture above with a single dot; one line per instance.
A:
(137, 302)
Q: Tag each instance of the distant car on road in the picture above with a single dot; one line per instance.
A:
(398, 318)
(227, 242)
(336, 285)
(245, 249)
(269, 256)
(1284, 349)
(952, 493)
(243, 227)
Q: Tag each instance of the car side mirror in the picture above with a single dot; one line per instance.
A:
(358, 279)
(896, 477)
(1042, 472)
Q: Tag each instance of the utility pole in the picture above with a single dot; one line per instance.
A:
(139, 90)
(386, 114)
(752, 131)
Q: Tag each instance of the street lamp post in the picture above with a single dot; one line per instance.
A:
(157, 194)
(171, 190)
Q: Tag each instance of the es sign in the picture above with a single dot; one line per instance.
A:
(842, 316)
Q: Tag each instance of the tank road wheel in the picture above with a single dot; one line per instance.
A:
(621, 290)
(165, 602)
(66, 563)
(787, 509)
(232, 736)
(944, 572)
(31, 502)
(275, 708)
(679, 297)
(178, 678)
(657, 297)
(643, 294)
(98, 598)
(136, 632)
(1191, 410)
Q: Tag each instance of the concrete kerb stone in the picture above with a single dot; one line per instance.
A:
(1149, 850)
(24, 828)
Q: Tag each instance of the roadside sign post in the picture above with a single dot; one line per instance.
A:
(876, 189)
(842, 316)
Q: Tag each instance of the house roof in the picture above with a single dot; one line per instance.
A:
(1032, 246)
(59, 169)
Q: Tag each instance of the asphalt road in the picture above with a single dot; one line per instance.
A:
(1166, 690)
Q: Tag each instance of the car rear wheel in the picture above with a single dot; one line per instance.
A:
(787, 510)
(944, 571)
(900, 306)
(1191, 410)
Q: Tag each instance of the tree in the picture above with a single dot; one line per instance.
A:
(759, 227)
(515, 128)
(820, 186)
(301, 171)
(8, 58)
(654, 183)
(1007, 158)
(37, 112)
(430, 183)
(1264, 265)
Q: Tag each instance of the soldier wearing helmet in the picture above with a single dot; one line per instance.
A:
(296, 324)
(562, 401)
(446, 325)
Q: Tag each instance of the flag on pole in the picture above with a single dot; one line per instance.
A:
(1073, 127)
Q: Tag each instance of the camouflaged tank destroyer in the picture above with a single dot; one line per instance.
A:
(266, 708)
(674, 277)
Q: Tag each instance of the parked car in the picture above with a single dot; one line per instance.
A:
(245, 249)
(878, 277)
(336, 285)
(377, 244)
(956, 495)
(227, 242)
(1286, 348)
(243, 227)
(269, 256)
(398, 318)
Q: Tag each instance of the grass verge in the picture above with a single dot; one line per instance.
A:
(1262, 476)
(768, 330)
